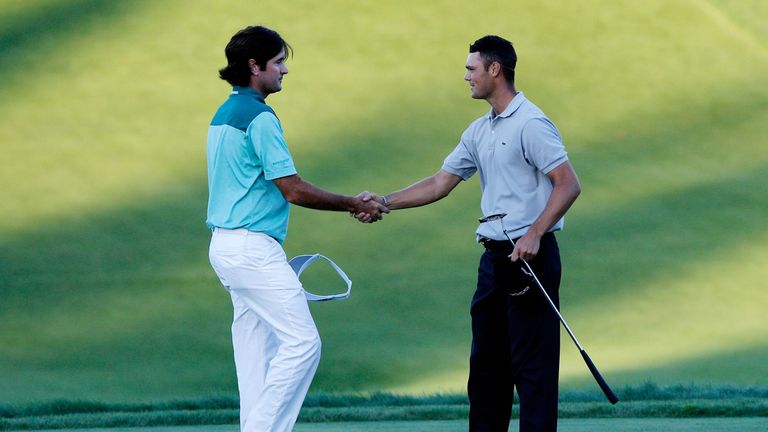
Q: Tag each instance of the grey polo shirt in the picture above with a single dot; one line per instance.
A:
(512, 152)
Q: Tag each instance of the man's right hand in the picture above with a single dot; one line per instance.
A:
(369, 208)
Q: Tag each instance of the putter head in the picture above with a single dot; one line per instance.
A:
(492, 217)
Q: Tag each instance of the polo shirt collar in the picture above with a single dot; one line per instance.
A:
(514, 104)
(248, 92)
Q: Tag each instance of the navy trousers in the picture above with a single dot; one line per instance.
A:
(515, 342)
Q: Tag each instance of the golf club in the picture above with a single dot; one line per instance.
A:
(592, 368)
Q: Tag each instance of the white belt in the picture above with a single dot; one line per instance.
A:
(299, 263)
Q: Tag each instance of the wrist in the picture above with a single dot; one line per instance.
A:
(385, 200)
(355, 205)
(536, 231)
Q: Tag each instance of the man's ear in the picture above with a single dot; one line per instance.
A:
(494, 69)
(255, 69)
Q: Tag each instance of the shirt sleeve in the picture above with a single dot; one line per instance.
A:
(461, 162)
(266, 136)
(542, 145)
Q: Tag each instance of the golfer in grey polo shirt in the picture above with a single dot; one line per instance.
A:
(525, 173)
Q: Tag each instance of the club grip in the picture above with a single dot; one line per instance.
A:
(599, 378)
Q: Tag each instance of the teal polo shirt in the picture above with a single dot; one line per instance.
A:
(246, 151)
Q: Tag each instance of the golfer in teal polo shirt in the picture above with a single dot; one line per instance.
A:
(252, 181)
(246, 153)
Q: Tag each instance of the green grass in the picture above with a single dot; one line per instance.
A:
(106, 290)
(645, 401)
(567, 425)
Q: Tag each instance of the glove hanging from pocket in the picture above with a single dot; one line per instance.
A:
(299, 263)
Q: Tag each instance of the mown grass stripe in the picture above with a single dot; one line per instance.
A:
(122, 419)
(732, 407)
(646, 393)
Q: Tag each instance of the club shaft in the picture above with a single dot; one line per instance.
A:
(546, 296)
(551, 303)
(612, 398)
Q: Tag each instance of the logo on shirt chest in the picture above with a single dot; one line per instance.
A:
(507, 152)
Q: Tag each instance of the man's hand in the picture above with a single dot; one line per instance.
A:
(526, 247)
(370, 196)
(370, 208)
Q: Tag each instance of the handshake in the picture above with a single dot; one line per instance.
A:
(369, 207)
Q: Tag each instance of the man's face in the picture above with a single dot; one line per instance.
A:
(270, 80)
(480, 83)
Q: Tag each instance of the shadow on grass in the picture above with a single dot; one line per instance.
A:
(25, 33)
(165, 235)
(750, 362)
(649, 239)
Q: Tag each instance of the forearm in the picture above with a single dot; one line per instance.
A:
(416, 195)
(565, 191)
(424, 192)
(563, 196)
(303, 193)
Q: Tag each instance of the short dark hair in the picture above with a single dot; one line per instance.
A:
(253, 42)
(493, 48)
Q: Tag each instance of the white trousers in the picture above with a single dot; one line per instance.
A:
(276, 343)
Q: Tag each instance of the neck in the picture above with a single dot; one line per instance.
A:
(256, 86)
(500, 99)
